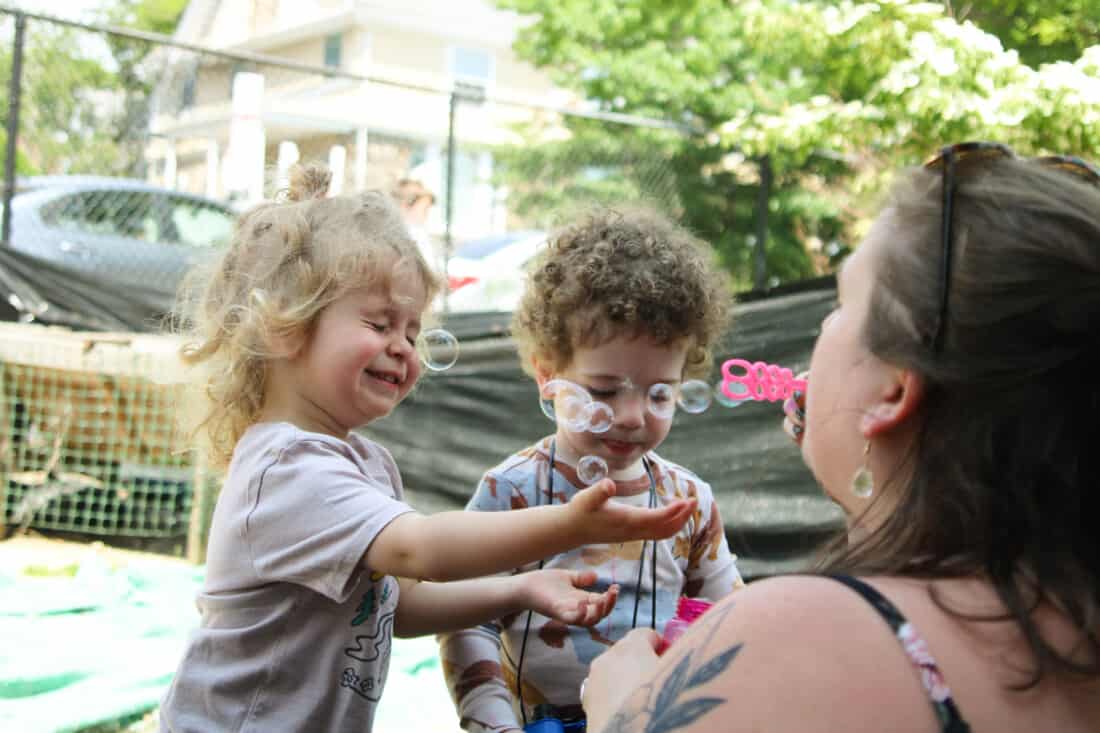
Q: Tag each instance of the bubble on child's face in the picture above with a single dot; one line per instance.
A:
(566, 404)
(725, 400)
(694, 396)
(438, 349)
(661, 401)
(600, 416)
(591, 469)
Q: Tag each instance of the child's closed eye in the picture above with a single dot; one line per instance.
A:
(376, 325)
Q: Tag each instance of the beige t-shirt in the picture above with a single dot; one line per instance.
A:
(294, 635)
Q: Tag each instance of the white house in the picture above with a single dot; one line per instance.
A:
(224, 123)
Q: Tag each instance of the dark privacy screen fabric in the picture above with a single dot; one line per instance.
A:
(459, 422)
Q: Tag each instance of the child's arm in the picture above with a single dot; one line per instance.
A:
(430, 608)
(473, 672)
(459, 544)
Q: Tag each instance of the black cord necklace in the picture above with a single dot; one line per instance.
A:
(637, 586)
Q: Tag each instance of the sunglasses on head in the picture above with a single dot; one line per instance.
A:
(947, 161)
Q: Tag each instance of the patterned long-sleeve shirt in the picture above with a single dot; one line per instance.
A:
(480, 663)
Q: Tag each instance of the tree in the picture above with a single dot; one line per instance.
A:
(1041, 31)
(83, 94)
(829, 94)
(135, 75)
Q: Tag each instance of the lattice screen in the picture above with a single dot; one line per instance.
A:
(89, 439)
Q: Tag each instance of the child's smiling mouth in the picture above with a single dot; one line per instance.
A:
(389, 378)
(619, 447)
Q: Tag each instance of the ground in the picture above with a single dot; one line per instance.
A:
(135, 605)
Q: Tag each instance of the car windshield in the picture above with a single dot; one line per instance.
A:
(145, 215)
(478, 248)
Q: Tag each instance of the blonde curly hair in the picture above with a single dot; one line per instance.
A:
(289, 259)
(619, 272)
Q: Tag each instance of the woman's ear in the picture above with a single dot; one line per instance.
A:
(899, 399)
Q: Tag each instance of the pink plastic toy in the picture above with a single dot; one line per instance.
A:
(761, 381)
(687, 610)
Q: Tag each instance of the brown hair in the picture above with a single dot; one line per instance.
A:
(1001, 480)
(287, 262)
(621, 272)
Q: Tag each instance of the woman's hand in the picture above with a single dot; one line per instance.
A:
(597, 520)
(559, 594)
(794, 413)
(617, 673)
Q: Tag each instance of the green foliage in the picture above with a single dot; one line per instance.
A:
(60, 92)
(1041, 31)
(835, 94)
(84, 108)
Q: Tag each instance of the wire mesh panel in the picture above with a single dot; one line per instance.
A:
(88, 441)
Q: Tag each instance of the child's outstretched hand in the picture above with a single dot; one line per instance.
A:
(794, 413)
(560, 594)
(601, 521)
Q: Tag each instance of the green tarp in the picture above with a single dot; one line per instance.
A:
(94, 643)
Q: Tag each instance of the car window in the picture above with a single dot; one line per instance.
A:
(200, 225)
(109, 212)
(146, 215)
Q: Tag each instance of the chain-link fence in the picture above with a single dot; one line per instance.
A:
(199, 134)
(126, 158)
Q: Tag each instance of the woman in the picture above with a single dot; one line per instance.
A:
(950, 414)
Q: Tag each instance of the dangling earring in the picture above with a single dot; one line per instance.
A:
(863, 483)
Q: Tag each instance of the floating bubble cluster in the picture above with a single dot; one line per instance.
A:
(591, 469)
(438, 349)
(695, 396)
(600, 417)
(661, 401)
(566, 404)
(725, 400)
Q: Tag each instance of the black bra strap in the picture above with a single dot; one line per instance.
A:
(951, 721)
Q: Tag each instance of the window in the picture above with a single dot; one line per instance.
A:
(144, 215)
(187, 96)
(471, 65)
(334, 49)
(200, 225)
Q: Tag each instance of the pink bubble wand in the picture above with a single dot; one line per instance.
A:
(687, 611)
(761, 381)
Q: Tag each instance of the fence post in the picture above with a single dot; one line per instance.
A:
(448, 236)
(202, 510)
(15, 86)
(760, 247)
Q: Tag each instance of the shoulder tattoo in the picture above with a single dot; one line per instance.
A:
(672, 703)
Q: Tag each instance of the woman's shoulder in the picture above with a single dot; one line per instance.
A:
(800, 653)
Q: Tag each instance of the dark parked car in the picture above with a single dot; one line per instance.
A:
(126, 230)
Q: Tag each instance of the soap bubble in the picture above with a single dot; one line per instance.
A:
(661, 400)
(591, 469)
(566, 403)
(600, 416)
(694, 396)
(439, 349)
(737, 388)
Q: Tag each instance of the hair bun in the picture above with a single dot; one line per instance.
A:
(307, 182)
